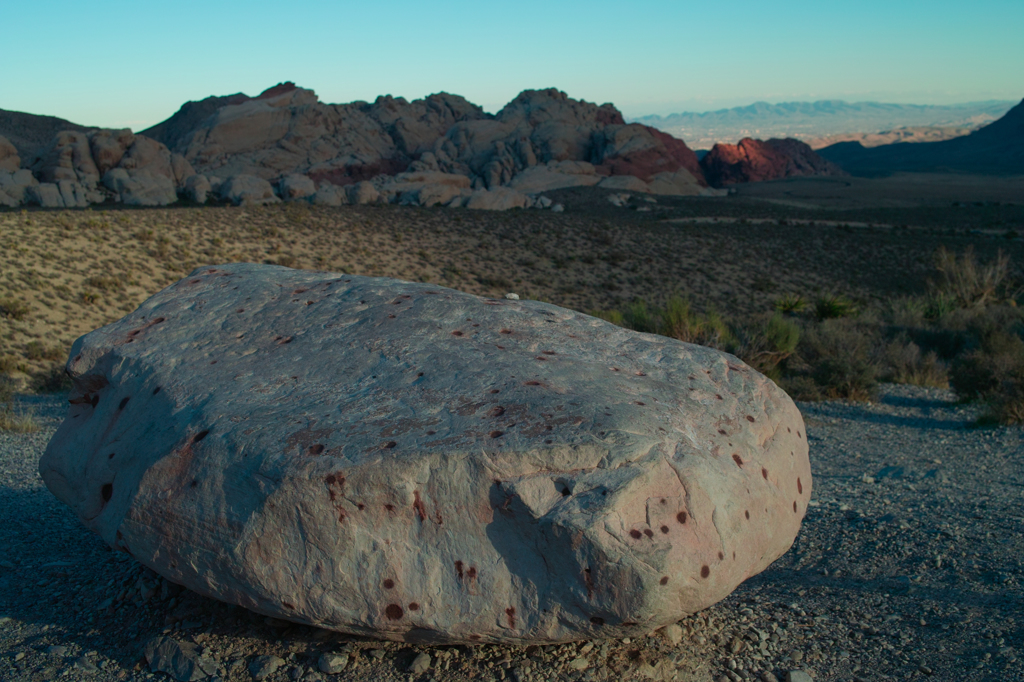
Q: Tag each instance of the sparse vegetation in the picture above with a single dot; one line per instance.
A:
(14, 419)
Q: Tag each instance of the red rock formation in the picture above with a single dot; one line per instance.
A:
(758, 160)
(644, 151)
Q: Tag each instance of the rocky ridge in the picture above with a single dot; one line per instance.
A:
(287, 145)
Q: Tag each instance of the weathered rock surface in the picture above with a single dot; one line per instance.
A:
(497, 199)
(415, 463)
(14, 186)
(247, 190)
(295, 186)
(757, 160)
(198, 188)
(9, 159)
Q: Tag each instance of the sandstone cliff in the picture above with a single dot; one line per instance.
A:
(758, 160)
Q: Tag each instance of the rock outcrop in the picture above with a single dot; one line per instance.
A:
(9, 159)
(415, 463)
(758, 160)
(247, 190)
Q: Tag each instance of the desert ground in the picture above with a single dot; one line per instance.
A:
(908, 565)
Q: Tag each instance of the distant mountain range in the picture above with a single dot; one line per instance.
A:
(810, 120)
(995, 149)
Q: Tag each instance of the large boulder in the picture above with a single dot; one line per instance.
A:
(44, 194)
(410, 462)
(330, 195)
(198, 188)
(15, 185)
(140, 187)
(9, 159)
(295, 186)
(362, 192)
(247, 190)
(427, 188)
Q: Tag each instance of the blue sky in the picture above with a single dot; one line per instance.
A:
(132, 64)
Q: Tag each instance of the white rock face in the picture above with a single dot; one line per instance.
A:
(14, 186)
(45, 194)
(362, 193)
(330, 195)
(414, 463)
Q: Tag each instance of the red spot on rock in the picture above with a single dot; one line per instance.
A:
(635, 534)
(201, 435)
(389, 583)
(421, 509)
(794, 506)
(471, 573)
(414, 606)
(534, 383)
(107, 492)
(799, 435)
(542, 359)
(681, 517)
(510, 613)
(764, 473)
(750, 419)
(389, 507)
(316, 449)
(474, 637)
(496, 411)
(799, 486)
(457, 333)
(664, 529)
(664, 580)
(360, 506)
(705, 571)
(390, 445)
(431, 433)
(720, 556)
(549, 352)
(648, 532)
(738, 460)
(288, 605)
(240, 310)
(394, 612)
(458, 569)
(506, 331)
(746, 513)
(640, 403)
(497, 434)
(640, 374)
(588, 580)
(718, 397)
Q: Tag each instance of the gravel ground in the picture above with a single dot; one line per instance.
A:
(909, 566)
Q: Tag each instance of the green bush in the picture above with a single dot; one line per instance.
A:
(904, 363)
(968, 283)
(767, 343)
(790, 304)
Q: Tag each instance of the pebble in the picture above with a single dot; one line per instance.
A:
(85, 665)
(332, 664)
(579, 664)
(798, 676)
(420, 664)
(263, 667)
(673, 633)
(57, 650)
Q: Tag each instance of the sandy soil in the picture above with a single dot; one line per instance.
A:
(73, 271)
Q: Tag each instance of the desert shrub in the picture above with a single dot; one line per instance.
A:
(980, 372)
(637, 317)
(680, 321)
(17, 421)
(837, 355)
(13, 309)
(10, 364)
(11, 418)
(613, 316)
(968, 283)
(54, 380)
(790, 304)
(766, 343)
(833, 306)
(903, 362)
(105, 283)
(37, 350)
